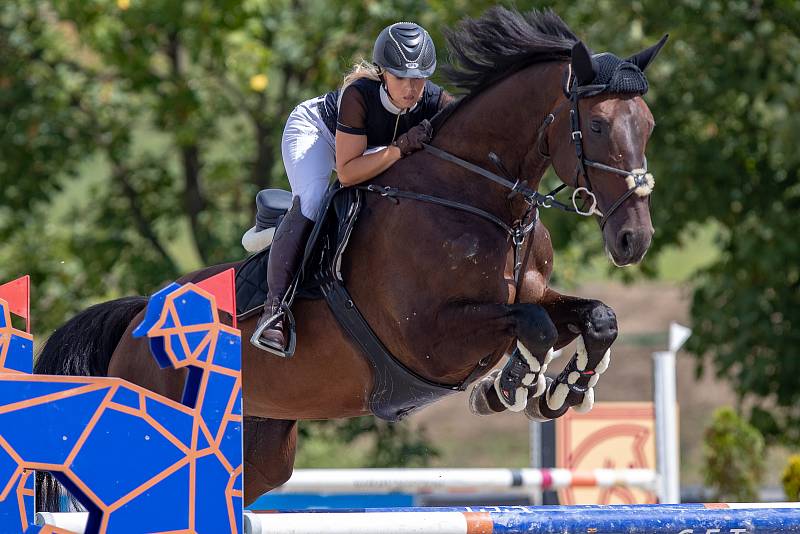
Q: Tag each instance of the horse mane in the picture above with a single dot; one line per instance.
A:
(501, 42)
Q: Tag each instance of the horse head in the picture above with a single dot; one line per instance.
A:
(608, 125)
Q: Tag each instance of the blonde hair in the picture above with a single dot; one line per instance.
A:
(361, 69)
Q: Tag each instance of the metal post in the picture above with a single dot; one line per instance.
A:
(666, 427)
(666, 402)
(535, 446)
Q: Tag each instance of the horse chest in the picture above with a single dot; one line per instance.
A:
(463, 251)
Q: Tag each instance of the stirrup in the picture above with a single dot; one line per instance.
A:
(289, 329)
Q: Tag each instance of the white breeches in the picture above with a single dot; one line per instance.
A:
(309, 155)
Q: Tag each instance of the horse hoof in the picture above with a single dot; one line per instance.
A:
(478, 401)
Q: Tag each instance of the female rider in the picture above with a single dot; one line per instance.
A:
(378, 116)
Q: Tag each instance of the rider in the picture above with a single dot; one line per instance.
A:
(379, 115)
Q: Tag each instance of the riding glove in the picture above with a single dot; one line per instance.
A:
(412, 140)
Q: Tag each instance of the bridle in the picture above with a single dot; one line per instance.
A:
(639, 181)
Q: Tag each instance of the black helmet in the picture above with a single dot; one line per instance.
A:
(406, 50)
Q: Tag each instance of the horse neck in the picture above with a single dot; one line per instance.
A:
(505, 119)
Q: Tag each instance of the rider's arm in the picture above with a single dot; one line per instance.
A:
(352, 165)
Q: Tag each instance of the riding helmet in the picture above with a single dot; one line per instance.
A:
(406, 50)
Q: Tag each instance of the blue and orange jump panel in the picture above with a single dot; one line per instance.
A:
(138, 462)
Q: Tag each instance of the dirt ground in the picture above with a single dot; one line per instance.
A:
(644, 311)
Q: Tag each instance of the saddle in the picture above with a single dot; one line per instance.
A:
(397, 390)
(328, 234)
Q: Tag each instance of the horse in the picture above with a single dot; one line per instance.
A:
(448, 287)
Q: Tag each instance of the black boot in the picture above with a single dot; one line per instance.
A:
(285, 255)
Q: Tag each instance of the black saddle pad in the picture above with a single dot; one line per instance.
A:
(329, 231)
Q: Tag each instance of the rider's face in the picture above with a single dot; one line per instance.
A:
(404, 92)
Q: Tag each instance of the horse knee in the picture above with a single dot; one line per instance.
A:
(600, 325)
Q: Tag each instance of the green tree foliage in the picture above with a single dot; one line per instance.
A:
(363, 442)
(727, 139)
(734, 457)
(136, 132)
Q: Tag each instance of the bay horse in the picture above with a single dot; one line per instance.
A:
(436, 284)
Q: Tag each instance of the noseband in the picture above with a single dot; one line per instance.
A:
(639, 181)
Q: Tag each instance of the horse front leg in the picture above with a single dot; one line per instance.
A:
(523, 374)
(594, 324)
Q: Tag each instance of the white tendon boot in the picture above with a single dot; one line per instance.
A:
(523, 361)
(557, 396)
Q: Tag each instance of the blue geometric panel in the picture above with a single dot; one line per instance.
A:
(168, 497)
(133, 442)
(11, 393)
(217, 388)
(126, 397)
(177, 423)
(20, 354)
(131, 466)
(66, 420)
(210, 473)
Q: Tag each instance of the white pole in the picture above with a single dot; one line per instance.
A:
(535, 437)
(462, 480)
(666, 427)
(666, 402)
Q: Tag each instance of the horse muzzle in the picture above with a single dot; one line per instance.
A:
(629, 245)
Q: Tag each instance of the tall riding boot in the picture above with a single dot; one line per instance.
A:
(285, 255)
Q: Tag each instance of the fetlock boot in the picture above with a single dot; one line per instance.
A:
(514, 379)
(285, 256)
(519, 375)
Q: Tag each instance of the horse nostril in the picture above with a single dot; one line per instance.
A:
(625, 241)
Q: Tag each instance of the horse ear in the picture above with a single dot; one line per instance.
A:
(582, 64)
(643, 58)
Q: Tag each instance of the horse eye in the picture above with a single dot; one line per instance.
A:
(597, 126)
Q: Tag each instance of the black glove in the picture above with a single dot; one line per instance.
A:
(412, 140)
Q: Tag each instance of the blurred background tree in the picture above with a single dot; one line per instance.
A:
(734, 458)
(136, 132)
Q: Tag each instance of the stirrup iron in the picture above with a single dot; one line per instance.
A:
(290, 330)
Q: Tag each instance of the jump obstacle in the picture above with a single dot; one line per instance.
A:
(651, 519)
(429, 480)
(137, 461)
(183, 340)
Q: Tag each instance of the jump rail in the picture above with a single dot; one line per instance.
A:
(424, 480)
(766, 518)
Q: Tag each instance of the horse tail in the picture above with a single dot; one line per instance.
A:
(82, 347)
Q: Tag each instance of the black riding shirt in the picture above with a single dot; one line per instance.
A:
(364, 111)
